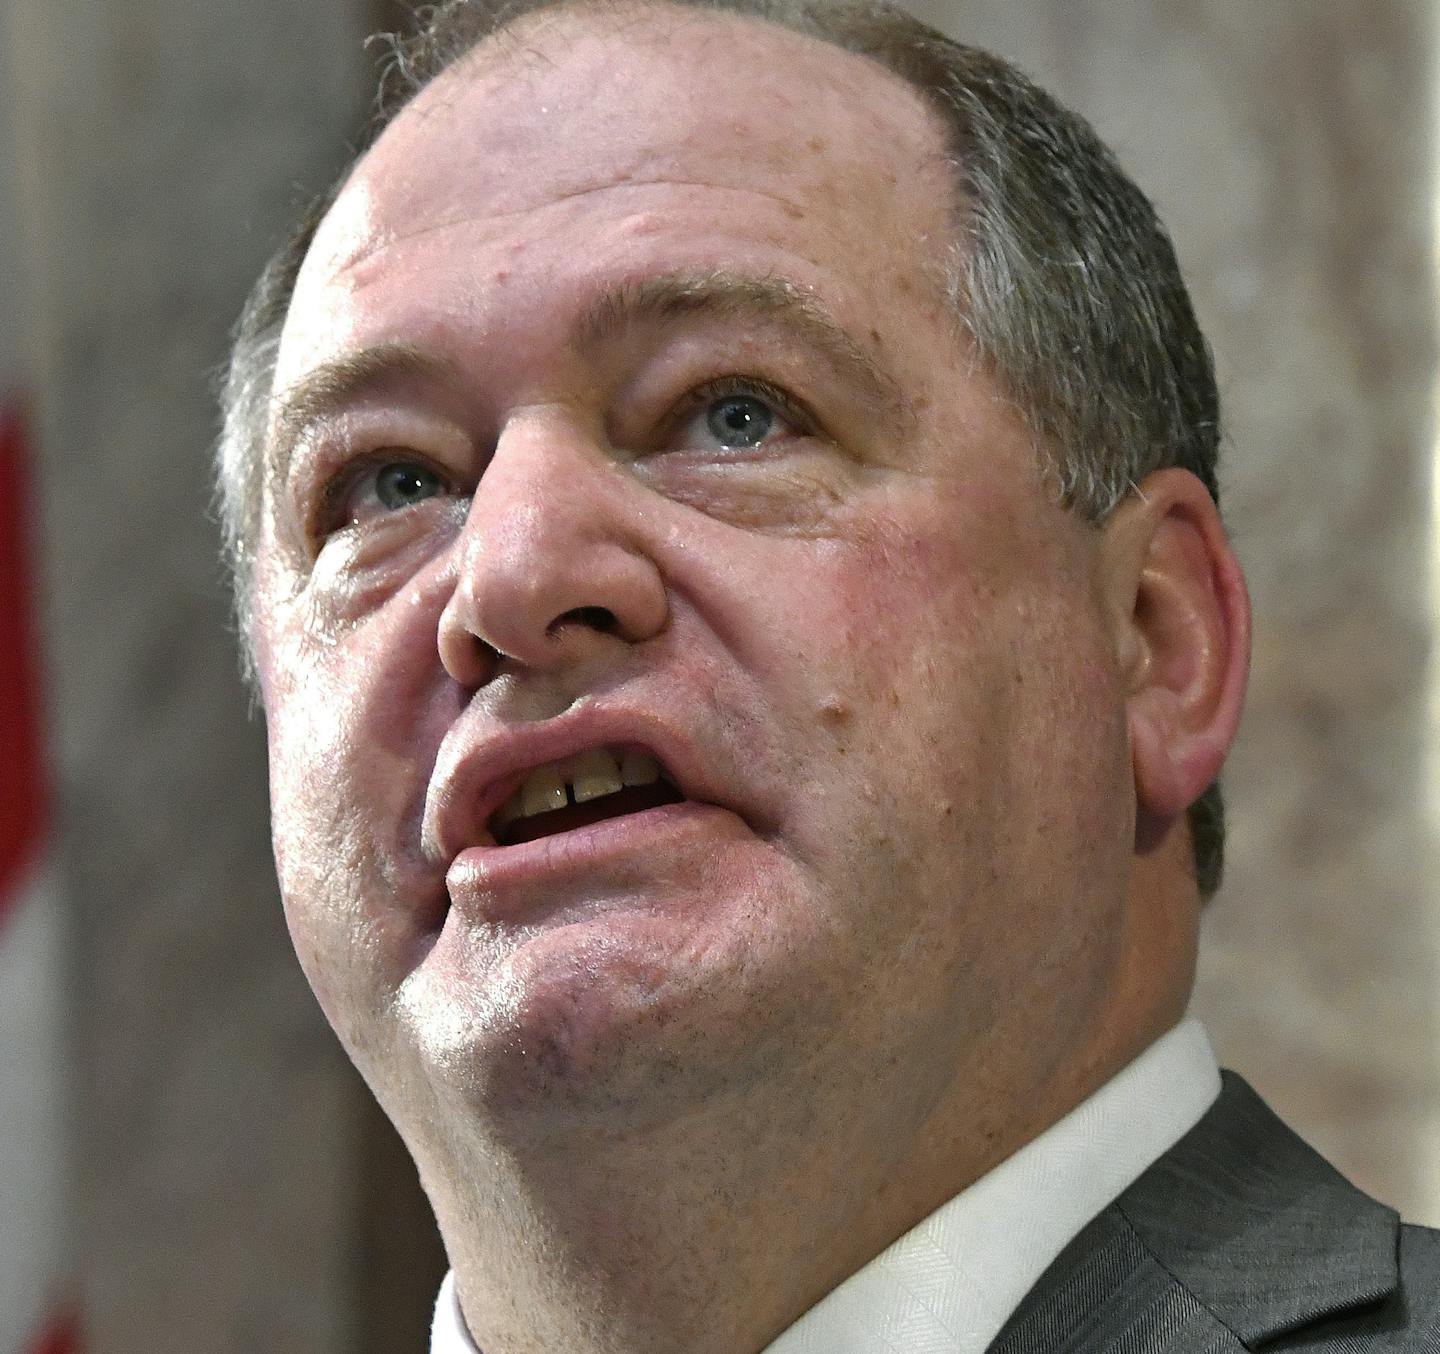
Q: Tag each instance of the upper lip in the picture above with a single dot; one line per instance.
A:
(474, 777)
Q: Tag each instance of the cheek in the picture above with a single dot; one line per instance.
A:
(906, 617)
(349, 703)
(354, 724)
(984, 769)
(965, 685)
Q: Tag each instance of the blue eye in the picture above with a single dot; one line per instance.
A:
(398, 484)
(739, 420)
(367, 493)
(740, 414)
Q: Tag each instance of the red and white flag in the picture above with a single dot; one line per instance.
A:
(34, 1317)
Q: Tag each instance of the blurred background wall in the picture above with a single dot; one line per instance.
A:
(234, 1189)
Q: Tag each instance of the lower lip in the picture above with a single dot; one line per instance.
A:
(496, 883)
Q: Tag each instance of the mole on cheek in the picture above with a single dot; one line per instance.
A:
(835, 711)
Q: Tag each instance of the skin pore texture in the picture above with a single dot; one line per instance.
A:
(669, 1083)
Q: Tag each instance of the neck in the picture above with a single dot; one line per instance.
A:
(716, 1233)
(695, 1237)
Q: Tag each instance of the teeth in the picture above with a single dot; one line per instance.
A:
(594, 773)
(591, 775)
(639, 769)
(544, 790)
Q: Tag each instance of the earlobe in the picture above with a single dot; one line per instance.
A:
(1181, 619)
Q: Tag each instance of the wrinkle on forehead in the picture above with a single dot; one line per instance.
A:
(375, 241)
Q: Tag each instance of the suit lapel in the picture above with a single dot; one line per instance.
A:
(1238, 1235)
(1106, 1292)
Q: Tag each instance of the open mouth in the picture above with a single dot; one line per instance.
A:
(597, 784)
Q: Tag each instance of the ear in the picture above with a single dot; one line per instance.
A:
(1179, 614)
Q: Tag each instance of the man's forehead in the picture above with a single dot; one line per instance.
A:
(569, 100)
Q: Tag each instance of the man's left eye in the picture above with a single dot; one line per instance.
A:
(735, 420)
(739, 420)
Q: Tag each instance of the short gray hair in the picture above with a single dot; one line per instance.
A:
(1062, 277)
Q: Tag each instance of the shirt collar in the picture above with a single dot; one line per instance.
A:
(949, 1284)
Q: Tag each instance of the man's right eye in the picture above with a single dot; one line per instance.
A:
(398, 484)
(380, 488)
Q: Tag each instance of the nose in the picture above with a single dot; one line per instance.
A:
(549, 564)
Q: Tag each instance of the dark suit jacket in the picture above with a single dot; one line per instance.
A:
(1240, 1237)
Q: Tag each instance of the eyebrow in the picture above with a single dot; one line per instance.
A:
(327, 391)
(771, 301)
(330, 389)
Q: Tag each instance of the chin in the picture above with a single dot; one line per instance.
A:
(606, 1026)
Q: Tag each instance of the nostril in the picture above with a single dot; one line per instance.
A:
(593, 617)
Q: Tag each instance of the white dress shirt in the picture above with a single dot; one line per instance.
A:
(950, 1283)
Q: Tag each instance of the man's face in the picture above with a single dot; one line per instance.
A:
(625, 418)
